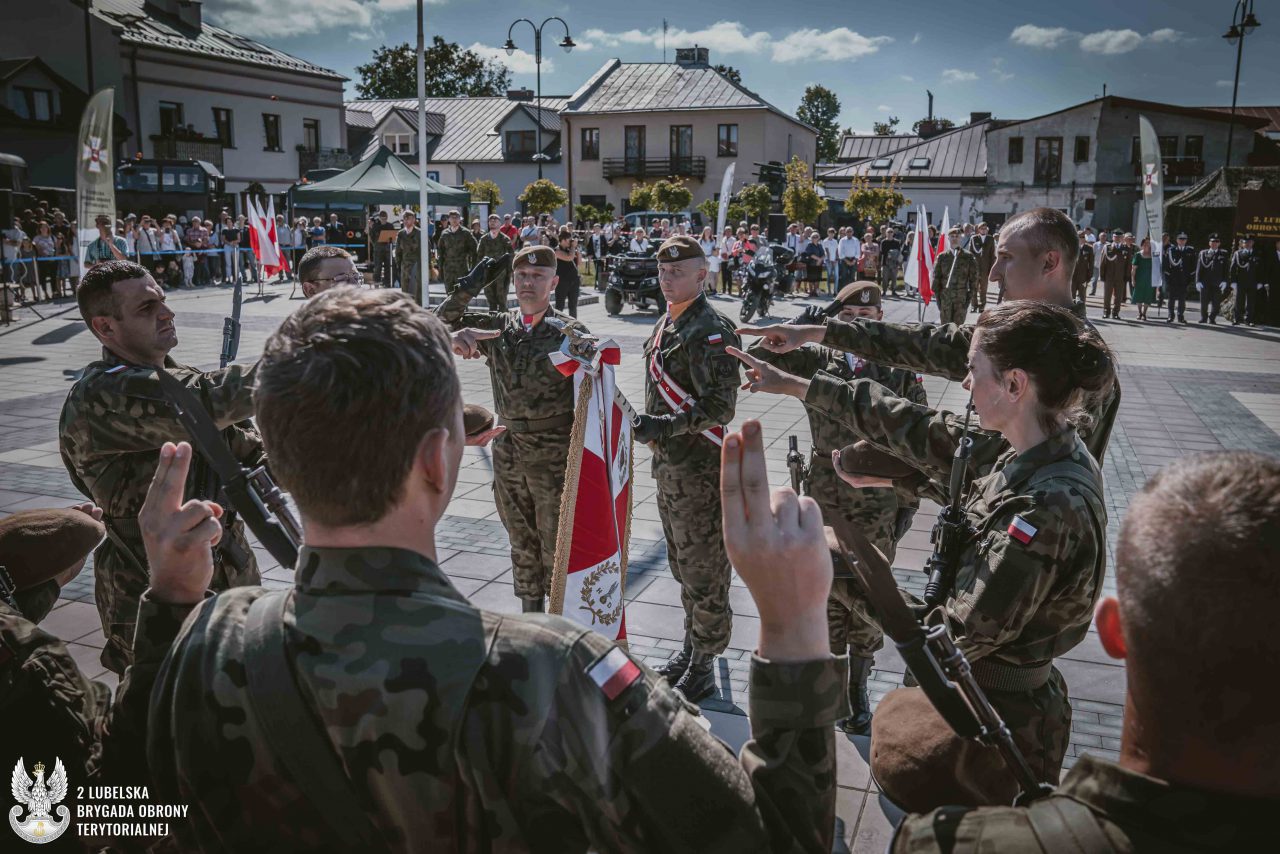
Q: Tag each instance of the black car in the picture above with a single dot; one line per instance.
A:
(633, 278)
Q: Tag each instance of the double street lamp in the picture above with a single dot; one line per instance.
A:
(510, 47)
(1243, 22)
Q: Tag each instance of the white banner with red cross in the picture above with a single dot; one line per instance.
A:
(595, 507)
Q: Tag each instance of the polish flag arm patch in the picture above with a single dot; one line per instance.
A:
(1022, 530)
(715, 339)
(614, 673)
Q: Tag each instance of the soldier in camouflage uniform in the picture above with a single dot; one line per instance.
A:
(495, 244)
(535, 402)
(691, 388)
(456, 253)
(409, 257)
(954, 280)
(111, 428)
(455, 728)
(1198, 753)
(883, 515)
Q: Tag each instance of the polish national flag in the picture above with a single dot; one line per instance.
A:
(942, 233)
(920, 264)
(589, 581)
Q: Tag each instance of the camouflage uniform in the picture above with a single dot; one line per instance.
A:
(112, 425)
(686, 465)
(954, 289)
(983, 248)
(409, 262)
(535, 402)
(1132, 811)
(1016, 605)
(495, 291)
(456, 255)
(472, 731)
(873, 511)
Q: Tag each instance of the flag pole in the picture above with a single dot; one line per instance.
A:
(425, 272)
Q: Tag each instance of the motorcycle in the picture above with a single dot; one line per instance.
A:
(764, 279)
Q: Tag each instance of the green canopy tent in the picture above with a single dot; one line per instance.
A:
(381, 179)
(1209, 206)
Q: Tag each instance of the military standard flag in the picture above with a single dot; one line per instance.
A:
(920, 264)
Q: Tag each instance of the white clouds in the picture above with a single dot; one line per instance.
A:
(915, 39)
(955, 75)
(884, 108)
(998, 72)
(907, 78)
(1105, 42)
(732, 37)
(255, 19)
(1111, 42)
(831, 45)
(1223, 84)
(520, 62)
(1030, 35)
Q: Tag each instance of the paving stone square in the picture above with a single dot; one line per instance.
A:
(1185, 389)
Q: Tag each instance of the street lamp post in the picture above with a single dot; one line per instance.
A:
(510, 48)
(1243, 22)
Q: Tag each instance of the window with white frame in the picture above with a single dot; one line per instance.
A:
(399, 143)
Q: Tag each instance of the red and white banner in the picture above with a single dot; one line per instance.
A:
(920, 264)
(263, 237)
(595, 508)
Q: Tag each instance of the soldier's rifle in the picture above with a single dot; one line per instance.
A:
(939, 667)
(231, 328)
(952, 530)
(795, 462)
(252, 492)
(475, 281)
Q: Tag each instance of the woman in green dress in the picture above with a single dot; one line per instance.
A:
(1143, 292)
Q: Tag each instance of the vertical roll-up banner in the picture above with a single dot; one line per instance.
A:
(95, 179)
(1152, 192)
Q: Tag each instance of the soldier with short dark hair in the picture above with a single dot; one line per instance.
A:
(1245, 279)
(116, 419)
(456, 252)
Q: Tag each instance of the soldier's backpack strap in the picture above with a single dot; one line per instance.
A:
(1065, 826)
(295, 736)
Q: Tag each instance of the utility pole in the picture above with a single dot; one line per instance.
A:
(1243, 22)
(422, 157)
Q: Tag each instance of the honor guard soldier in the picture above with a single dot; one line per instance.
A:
(884, 515)
(495, 244)
(691, 389)
(983, 247)
(1179, 266)
(1244, 280)
(954, 279)
(534, 401)
(1114, 271)
(1211, 279)
(116, 419)
(1083, 270)
(456, 252)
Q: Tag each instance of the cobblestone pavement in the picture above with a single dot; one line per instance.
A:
(1186, 388)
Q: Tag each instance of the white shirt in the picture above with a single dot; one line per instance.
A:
(831, 247)
(850, 248)
(708, 246)
(168, 241)
(638, 245)
(795, 242)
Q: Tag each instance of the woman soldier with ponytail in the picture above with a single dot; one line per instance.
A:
(1032, 569)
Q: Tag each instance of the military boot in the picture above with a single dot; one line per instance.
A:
(533, 606)
(699, 681)
(676, 667)
(859, 721)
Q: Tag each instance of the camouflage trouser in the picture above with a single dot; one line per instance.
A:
(1040, 722)
(1080, 290)
(980, 292)
(120, 579)
(851, 623)
(496, 293)
(952, 305)
(889, 274)
(411, 279)
(528, 480)
(689, 504)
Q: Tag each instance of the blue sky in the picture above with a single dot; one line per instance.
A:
(1015, 60)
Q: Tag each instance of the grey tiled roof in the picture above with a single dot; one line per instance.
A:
(855, 147)
(469, 131)
(435, 121)
(211, 41)
(359, 119)
(957, 154)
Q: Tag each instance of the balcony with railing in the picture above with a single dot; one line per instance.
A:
(323, 158)
(193, 148)
(654, 167)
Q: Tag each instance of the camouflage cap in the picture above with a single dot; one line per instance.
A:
(859, 293)
(535, 256)
(37, 545)
(682, 247)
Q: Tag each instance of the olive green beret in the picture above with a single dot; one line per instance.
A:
(37, 545)
(859, 293)
(682, 247)
(475, 419)
(535, 256)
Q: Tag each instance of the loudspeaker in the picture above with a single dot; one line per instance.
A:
(777, 227)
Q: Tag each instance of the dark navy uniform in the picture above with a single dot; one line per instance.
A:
(1211, 281)
(1245, 277)
(1179, 268)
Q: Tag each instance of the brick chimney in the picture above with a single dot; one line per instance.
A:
(693, 56)
(519, 94)
(974, 118)
(928, 128)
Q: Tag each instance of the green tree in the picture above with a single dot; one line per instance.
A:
(734, 214)
(670, 196)
(938, 123)
(589, 214)
(450, 71)
(641, 197)
(756, 201)
(729, 71)
(484, 190)
(820, 107)
(885, 128)
(800, 200)
(875, 204)
(543, 196)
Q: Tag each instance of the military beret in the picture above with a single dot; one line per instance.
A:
(919, 762)
(535, 256)
(454, 213)
(859, 293)
(37, 545)
(475, 419)
(682, 247)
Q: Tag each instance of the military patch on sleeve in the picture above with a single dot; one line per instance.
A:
(724, 367)
(716, 338)
(613, 673)
(1022, 530)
